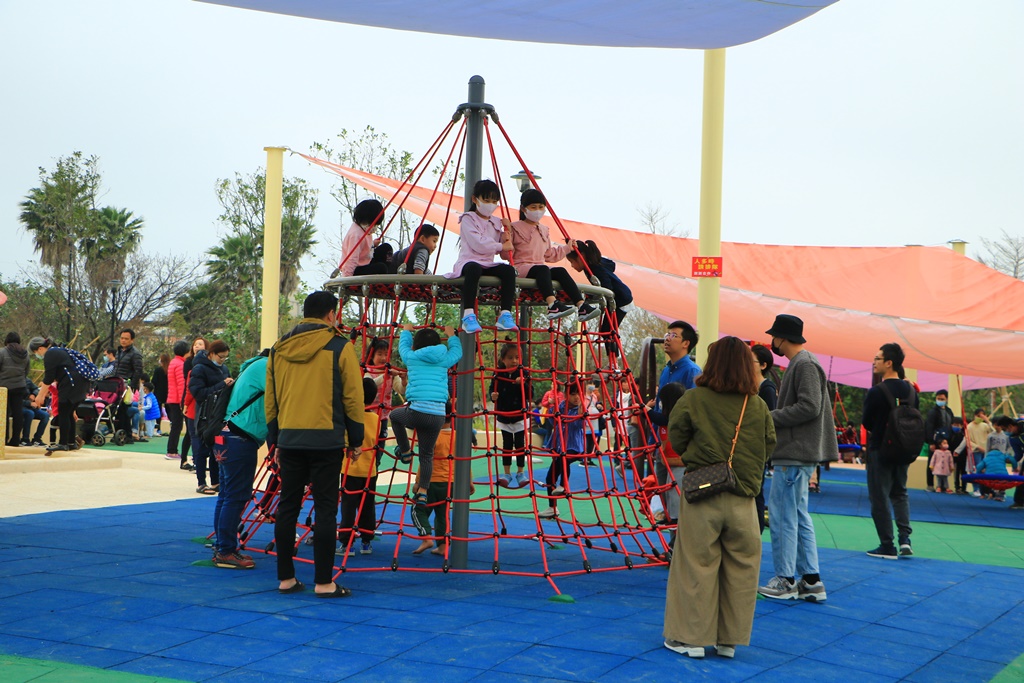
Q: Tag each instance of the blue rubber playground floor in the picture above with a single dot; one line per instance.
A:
(122, 594)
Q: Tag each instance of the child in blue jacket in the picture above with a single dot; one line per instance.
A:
(150, 409)
(427, 392)
(995, 462)
(565, 439)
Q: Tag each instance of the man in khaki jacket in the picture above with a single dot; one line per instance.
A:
(314, 406)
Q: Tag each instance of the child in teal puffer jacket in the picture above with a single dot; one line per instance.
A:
(427, 391)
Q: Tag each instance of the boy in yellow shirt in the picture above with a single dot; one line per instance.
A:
(359, 481)
(437, 493)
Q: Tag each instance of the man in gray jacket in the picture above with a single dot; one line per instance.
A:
(806, 436)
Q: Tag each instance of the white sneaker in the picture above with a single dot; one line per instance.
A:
(557, 491)
(727, 651)
(684, 649)
(811, 592)
(779, 589)
(548, 513)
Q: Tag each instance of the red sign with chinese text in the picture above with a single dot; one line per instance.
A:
(707, 266)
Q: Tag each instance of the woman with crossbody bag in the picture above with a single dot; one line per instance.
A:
(724, 434)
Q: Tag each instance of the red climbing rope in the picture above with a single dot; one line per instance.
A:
(604, 511)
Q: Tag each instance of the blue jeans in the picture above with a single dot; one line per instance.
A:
(237, 459)
(794, 548)
(34, 414)
(202, 456)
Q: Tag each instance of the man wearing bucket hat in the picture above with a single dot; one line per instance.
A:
(806, 436)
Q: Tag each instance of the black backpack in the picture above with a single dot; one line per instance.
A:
(212, 414)
(904, 432)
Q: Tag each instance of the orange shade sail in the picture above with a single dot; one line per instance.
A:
(951, 315)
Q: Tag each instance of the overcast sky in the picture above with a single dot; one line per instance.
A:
(871, 123)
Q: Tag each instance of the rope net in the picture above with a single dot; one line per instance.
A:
(575, 509)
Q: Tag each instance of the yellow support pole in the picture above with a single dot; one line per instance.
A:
(710, 242)
(3, 425)
(955, 404)
(272, 247)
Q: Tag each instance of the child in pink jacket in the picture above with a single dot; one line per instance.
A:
(533, 250)
(484, 236)
(942, 466)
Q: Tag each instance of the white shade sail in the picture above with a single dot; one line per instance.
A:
(697, 24)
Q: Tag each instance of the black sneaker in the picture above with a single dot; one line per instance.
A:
(884, 552)
(906, 550)
(559, 310)
(587, 312)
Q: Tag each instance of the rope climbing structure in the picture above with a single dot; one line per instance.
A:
(570, 511)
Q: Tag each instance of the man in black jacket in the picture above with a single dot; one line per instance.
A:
(128, 367)
(938, 425)
(887, 480)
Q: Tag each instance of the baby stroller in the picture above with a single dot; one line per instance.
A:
(99, 410)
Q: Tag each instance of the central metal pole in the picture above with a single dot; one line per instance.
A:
(475, 109)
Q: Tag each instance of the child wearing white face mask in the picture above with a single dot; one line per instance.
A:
(484, 236)
(357, 246)
(533, 249)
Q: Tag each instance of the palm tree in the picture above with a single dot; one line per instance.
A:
(236, 264)
(52, 239)
(296, 241)
(116, 234)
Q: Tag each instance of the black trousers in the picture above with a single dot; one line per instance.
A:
(66, 422)
(560, 466)
(358, 509)
(371, 269)
(175, 417)
(15, 399)
(887, 485)
(321, 469)
(611, 345)
(122, 420)
(544, 277)
(513, 441)
(471, 273)
(960, 460)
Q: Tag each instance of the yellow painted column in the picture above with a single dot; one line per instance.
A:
(710, 242)
(3, 422)
(272, 247)
(955, 404)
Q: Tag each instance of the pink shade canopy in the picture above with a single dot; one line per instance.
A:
(950, 314)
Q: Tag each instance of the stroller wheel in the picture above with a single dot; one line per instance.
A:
(97, 439)
(120, 437)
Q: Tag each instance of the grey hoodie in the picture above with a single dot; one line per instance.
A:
(804, 425)
(13, 367)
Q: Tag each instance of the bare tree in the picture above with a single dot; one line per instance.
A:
(150, 286)
(635, 328)
(1005, 254)
(655, 219)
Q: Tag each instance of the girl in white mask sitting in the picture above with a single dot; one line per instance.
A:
(533, 249)
(484, 236)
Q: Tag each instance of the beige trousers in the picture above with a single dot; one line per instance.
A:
(712, 583)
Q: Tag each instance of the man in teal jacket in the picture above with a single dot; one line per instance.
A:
(235, 450)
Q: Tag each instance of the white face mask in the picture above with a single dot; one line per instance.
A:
(534, 216)
(486, 209)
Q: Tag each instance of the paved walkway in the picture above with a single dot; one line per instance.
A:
(102, 581)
